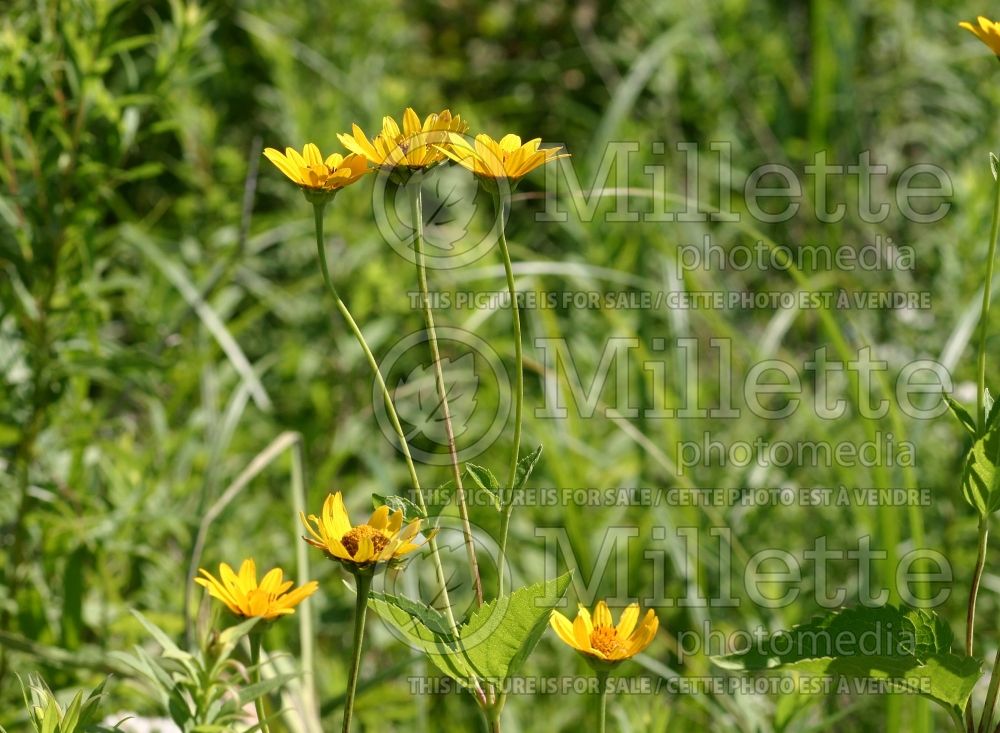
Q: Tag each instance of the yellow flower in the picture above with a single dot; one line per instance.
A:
(381, 539)
(244, 597)
(602, 641)
(414, 146)
(508, 158)
(309, 170)
(988, 32)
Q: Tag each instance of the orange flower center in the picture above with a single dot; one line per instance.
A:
(605, 639)
(352, 539)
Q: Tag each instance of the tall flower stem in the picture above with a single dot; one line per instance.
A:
(985, 312)
(508, 504)
(258, 703)
(970, 614)
(417, 212)
(390, 409)
(981, 416)
(602, 700)
(363, 583)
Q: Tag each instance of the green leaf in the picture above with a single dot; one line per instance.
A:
(399, 503)
(444, 650)
(501, 635)
(428, 616)
(264, 687)
(525, 466)
(962, 414)
(494, 643)
(484, 479)
(980, 476)
(911, 649)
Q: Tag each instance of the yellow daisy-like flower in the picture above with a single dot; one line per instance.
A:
(413, 146)
(244, 597)
(599, 639)
(382, 539)
(314, 173)
(507, 158)
(988, 32)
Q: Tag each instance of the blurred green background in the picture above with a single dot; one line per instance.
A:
(162, 318)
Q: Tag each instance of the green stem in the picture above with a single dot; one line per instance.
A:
(389, 407)
(518, 390)
(258, 703)
(363, 583)
(970, 614)
(416, 208)
(602, 701)
(991, 696)
(985, 312)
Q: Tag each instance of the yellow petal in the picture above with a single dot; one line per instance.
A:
(395, 522)
(282, 164)
(510, 143)
(379, 518)
(563, 628)
(411, 123)
(271, 581)
(365, 551)
(602, 616)
(311, 154)
(627, 622)
(335, 516)
(248, 575)
(581, 632)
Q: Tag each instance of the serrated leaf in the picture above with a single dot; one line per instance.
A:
(399, 503)
(910, 647)
(993, 165)
(501, 634)
(525, 465)
(485, 481)
(962, 414)
(980, 476)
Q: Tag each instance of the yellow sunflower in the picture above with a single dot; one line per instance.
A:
(505, 158)
(244, 597)
(413, 146)
(988, 32)
(314, 173)
(599, 639)
(383, 538)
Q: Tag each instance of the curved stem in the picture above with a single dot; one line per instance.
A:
(363, 584)
(518, 390)
(985, 312)
(389, 408)
(258, 703)
(416, 208)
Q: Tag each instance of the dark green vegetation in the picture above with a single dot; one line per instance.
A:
(159, 327)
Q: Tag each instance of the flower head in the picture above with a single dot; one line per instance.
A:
(412, 146)
(382, 539)
(600, 640)
(507, 158)
(314, 173)
(244, 597)
(988, 31)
